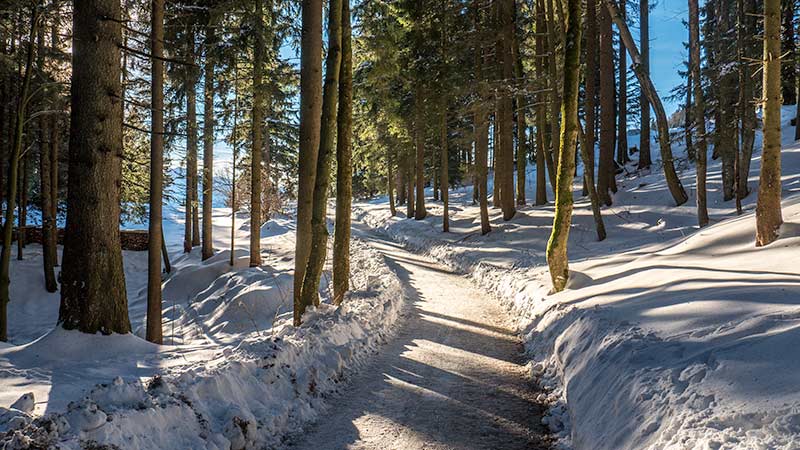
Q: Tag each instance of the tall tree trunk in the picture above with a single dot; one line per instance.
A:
(543, 169)
(727, 88)
(208, 143)
(45, 178)
(344, 165)
(390, 180)
(644, 40)
(13, 173)
(310, 117)
(600, 227)
(555, 100)
(235, 159)
(687, 117)
(622, 103)
(789, 45)
(330, 98)
(749, 51)
(258, 137)
(443, 176)
(557, 245)
(93, 296)
(590, 90)
(522, 126)
(506, 110)
(154, 245)
(768, 208)
(410, 185)
(191, 144)
(605, 170)
(673, 182)
(419, 212)
(22, 210)
(699, 115)
(481, 123)
(496, 167)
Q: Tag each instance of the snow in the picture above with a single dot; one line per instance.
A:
(668, 337)
(233, 373)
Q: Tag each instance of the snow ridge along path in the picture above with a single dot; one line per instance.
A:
(453, 377)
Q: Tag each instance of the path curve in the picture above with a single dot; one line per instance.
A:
(451, 378)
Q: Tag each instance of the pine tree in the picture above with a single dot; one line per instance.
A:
(768, 208)
(93, 296)
(208, 141)
(644, 41)
(344, 165)
(258, 137)
(699, 114)
(605, 170)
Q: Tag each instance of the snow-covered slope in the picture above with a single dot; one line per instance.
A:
(667, 337)
(233, 373)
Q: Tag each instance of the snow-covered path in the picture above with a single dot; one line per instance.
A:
(451, 378)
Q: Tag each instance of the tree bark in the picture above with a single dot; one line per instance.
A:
(330, 98)
(622, 103)
(208, 144)
(789, 45)
(256, 150)
(191, 144)
(419, 212)
(344, 165)
(747, 31)
(768, 207)
(310, 118)
(155, 241)
(605, 170)
(673, 182)
(443, 166)
(13, 174)
(481, 123)
(590, 90)
(93, 296)
(644, 67)
(589, 183)
(521, 107)
(45, 178)
(557, 245)
(699, 115)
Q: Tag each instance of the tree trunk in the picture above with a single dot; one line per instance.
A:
(410, 186)
(258, 137)
(522, 142)
(443, 176)
(687, 116)
(45, 178)
(419, 144)
(208, 144)
(622, 103)
(344, 165)
(590, 90)
(319, 229)
(191, 144)
(557, 245)
(749, 51)
(768, 208)
(13, 175)
(481, 123)
(701, 148)
(22, 210)
(506, 110)
(93, 296)
(390, 180)
(589, 183)
(673, 182)
(555, 100)
(644, 67)
(789, 44)
(605, 170)
(543, 169)
(310, 116)
(155, 241)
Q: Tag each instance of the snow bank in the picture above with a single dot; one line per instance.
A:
(241, 376)
(667, 337)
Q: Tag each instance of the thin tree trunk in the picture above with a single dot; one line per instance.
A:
(93, 296)
(768, 208)
(390, 181)
(557, 245)
(589, 182)
(543, 170)
(701, 148)
(330, 99)
(506, 110)
(410, 158)
(749, 51)
(344, 165)
(590, 90)
(622, 104)
(605, 170)
(555, 100)
(22, 209)
(644, 67)
(156, 239)
(419, 212)
(13, 174)
(258, 137)
(48, 223)
(687, 117)
(235, 158)
(788, 44)
(673, 182)
(208, 144)
(522, 142)
(191, 144)
(310, 123)
(481, 124)
(443, 177)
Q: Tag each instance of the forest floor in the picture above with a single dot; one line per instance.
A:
(453, 377)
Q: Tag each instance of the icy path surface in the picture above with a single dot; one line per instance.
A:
(453, 377)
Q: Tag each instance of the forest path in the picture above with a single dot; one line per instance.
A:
(453, 376)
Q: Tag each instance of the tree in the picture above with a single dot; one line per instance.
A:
(154, 332)
(557, 245)
(93, 296)
(189, 229)
(419, 145)
(644, 41)
(505, 116)
(45, 175)
(13, 173)
(622, 102)
(699, 114)
(310, 123)
(344, 165)
(330, 99)
(208, 142)
(768, 207)
(646, 84)
(258, 139)
(481, 124)
(606, 170)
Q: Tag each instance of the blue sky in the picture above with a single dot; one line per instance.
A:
(667, 54)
